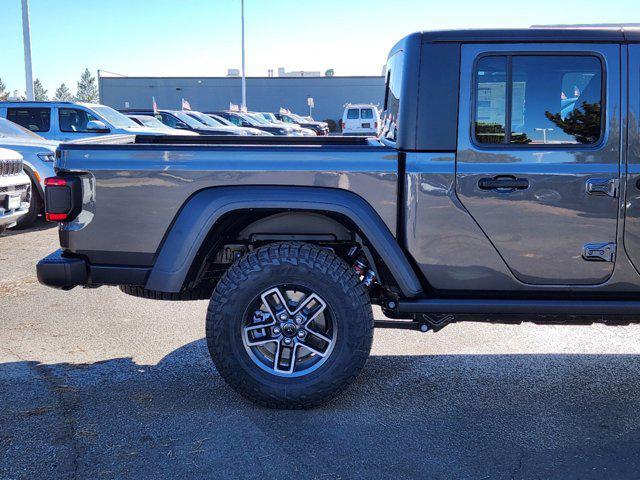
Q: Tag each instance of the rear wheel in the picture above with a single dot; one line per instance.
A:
(289, 325)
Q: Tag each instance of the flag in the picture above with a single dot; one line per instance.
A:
(155, 106)
(185, 105)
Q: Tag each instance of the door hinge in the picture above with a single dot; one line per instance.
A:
(599, 252)
(602, 186)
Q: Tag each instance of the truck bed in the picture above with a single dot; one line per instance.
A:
(143, 182)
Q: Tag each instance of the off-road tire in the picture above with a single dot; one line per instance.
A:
(290, 263)
(202, 292)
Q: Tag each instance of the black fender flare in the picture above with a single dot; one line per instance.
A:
(201, 212)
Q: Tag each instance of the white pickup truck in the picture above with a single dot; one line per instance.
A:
(65, 121)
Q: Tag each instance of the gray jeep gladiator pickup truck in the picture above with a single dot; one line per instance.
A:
(505, 186)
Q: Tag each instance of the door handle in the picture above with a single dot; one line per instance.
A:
(503, 182)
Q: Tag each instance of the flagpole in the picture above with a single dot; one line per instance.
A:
(26, 36)
(244, 78)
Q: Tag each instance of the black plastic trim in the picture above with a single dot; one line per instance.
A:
(64, 270)
(520, 306)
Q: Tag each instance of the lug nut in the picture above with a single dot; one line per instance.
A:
(283, 317)
(287, 341)
(302, 334)
(299, 319)
(276, 330)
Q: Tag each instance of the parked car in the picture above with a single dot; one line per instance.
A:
(453, 213)
(178, 119)
(38, 155)
(360, 119)
(15, 189)
(213, 122)
(152, 122)
(271, 118)
(68, 121)
(321, 128)
(241, 119)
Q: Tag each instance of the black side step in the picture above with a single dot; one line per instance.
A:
(520, 307)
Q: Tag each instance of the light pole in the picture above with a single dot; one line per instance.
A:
(244, 79)
(26, 37)
(544, 133)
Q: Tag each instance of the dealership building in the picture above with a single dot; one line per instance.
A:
(269, 94)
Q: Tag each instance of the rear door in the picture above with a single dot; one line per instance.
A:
(36, 119)
(538, 160)
(632, 219)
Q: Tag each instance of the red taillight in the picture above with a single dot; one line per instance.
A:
(375, 125)
(56, 217)
(55, 182)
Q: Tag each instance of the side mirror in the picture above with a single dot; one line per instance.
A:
(96, 126)
(246, 124)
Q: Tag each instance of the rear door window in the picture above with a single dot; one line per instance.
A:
(353, 114)
(36, 119)
(538, 100)
(366, 114)
(74, 120)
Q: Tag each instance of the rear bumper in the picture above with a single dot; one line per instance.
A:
(59, 271)
(63, 270)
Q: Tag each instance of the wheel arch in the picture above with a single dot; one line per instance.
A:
(209, 212)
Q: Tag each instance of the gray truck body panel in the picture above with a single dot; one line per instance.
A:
(141, 188)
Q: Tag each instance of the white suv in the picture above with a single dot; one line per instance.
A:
(361, 119)
(66, 121)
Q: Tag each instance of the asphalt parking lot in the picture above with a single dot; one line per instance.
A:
(96, 384)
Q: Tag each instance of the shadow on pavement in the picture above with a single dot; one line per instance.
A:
(442, 416)
(39, 225)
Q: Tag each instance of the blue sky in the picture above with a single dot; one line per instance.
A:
(202, 37)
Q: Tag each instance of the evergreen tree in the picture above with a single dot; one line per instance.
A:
(3, 92)
(39, 92)
(63, 94)
(87, 88)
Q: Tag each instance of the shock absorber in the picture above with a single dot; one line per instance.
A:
(366, 274)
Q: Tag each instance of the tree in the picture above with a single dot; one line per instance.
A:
(87, 89)
(39, 92)
(63, 94)
(3, 92)
(583, 123)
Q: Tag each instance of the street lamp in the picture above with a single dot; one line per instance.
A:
(26, 36)
(244, 79)
(544, 133)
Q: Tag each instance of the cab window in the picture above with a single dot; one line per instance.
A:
(538, 100)
(393, 92)
(34, 119)
(74, 120)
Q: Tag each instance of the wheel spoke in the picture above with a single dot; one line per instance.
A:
(318, 351)
(311, 307)
(319, 335)
(279, 357)
(274, 308)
